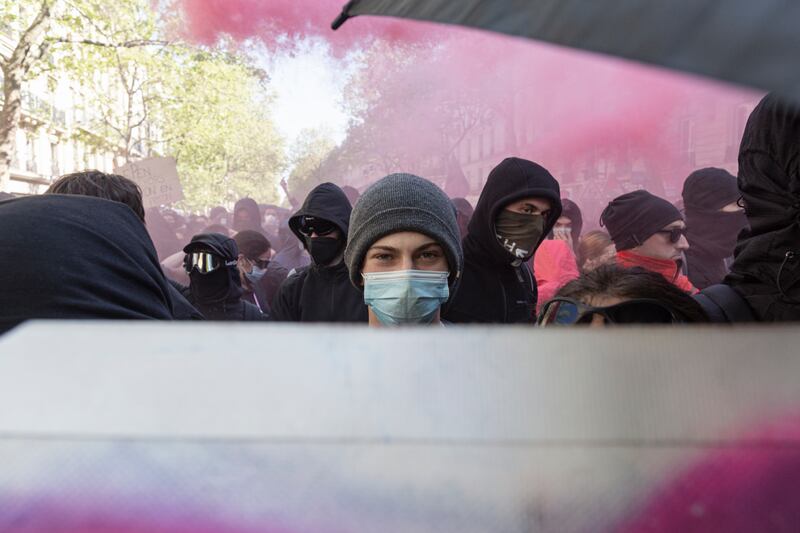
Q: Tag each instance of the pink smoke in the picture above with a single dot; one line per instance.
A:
(602, 126)
(752, 486)
(271, 19)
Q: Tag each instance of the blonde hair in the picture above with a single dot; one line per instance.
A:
(592, 246)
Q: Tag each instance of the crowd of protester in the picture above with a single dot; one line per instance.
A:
(402, 252)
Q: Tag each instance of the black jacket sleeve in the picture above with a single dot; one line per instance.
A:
(286, 305)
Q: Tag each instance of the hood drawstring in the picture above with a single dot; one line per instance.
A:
(790, 256)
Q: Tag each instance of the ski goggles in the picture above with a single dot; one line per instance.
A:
(204, 262)
(310, 225)
(567, 312)
(674, 234)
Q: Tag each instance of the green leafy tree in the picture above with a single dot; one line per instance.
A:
(219, 127)
(311, 149)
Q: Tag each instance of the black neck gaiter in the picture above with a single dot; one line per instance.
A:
(518, 233)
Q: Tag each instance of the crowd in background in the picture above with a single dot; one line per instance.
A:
(402, 252)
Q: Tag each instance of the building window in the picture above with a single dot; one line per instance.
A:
(30, 154)
(55, 162)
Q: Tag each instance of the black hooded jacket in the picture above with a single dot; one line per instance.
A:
(319, 293)
(766, 267)
(227, 303)
(68, 256)
(496, 286)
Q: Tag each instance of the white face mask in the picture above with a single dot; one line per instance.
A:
(406, 296)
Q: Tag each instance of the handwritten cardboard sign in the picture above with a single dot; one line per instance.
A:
(158, 179)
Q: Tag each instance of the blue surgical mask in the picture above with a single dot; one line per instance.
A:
(405, 296)
(255, 275)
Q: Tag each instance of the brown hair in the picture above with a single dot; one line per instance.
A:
(591, 246)
(613, 280)
(101, 185)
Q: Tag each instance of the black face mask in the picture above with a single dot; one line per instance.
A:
(212, 287)
(519, 233)
(715, 233)
(324, 250)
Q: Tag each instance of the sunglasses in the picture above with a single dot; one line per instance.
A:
(310, 225)
(260, 263)
(204, 262)
(568, 312)
(675, 234)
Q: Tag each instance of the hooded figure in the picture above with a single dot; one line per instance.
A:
(217, 294)
(264, 277)
(289, 253)
(711, 226)
(573, 226)
(766, 268)
(321, 292)
(247, 215)
(77, 257)
(498, 286)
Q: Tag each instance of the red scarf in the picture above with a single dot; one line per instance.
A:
(666, 267)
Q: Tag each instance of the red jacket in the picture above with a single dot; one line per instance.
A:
(554, 266)
(666, 267)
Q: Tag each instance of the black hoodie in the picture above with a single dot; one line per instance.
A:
(218, 295)
(68, 256)
(766, 268)
(319, 293)
(496, 286)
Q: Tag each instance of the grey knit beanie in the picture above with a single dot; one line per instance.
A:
(403, 202)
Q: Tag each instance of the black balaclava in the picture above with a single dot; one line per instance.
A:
(326, 202)
(766, 267)
(636, 216)
(70, 256)
(253, 222)
(711, 232)
(511, 180)
(223, 284)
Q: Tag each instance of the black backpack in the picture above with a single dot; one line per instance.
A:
(723, 304)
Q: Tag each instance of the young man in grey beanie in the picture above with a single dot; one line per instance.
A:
(403, 250)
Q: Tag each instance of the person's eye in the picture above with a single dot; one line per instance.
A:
(429, 255)
(382, 257)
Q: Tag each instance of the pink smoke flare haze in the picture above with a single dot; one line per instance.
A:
(270, 19)
(603, 126)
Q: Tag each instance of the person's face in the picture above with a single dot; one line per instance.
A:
(659, 245)
(530, 206)
(245, 265)
(242, 215)
(563, 223)
(407, 250)
(732, 207)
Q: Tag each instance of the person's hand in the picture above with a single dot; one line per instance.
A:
(563, 234)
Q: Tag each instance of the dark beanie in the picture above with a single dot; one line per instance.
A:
(403, 202)
(636, 216)
(709, 189)
(251, 243)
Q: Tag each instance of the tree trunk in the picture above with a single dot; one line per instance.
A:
(15, 68)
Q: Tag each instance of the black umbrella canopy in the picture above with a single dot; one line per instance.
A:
(749, 42)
